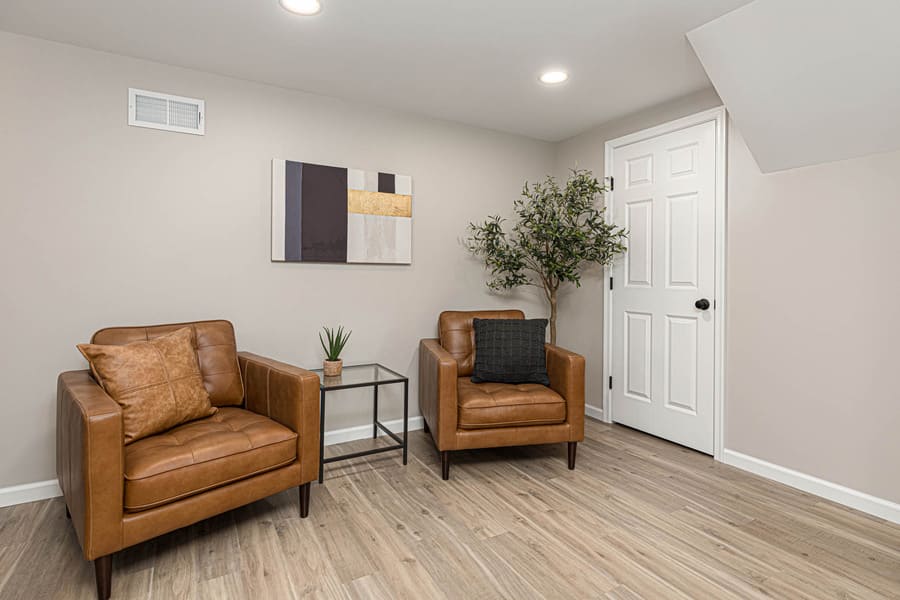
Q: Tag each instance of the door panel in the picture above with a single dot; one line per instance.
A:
(663, 346)
(682, 245)
(638, 355)
(681, 364)
(639, 260)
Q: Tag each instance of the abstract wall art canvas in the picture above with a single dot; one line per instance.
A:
(338, 215)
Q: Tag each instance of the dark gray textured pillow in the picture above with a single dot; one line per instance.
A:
(510, 351)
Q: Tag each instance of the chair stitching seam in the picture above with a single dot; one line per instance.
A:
(231, 372)
(512, 405)
(210, 460)
(506, 423)
(210, 487)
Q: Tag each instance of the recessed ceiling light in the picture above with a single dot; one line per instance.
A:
(307, 8)
(554, 77)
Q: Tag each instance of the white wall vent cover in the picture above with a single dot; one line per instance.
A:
(165, 111)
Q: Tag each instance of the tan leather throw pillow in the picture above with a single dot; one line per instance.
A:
(157, 383)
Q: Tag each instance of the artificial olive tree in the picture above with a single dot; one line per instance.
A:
(559, 231)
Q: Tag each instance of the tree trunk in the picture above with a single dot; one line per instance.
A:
(553, 317)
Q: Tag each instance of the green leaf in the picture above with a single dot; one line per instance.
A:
(559, 231)
(336, 341)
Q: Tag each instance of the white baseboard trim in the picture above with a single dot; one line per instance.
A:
(29, 492)
(866, 503)
(593, 412)
(42, 490)
(362, 432)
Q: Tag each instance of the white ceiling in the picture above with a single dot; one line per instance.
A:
(470, 61)
(808, 81)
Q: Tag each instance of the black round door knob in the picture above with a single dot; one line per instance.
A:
(702, 304)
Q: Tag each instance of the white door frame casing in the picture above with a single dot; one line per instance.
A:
(718, 116)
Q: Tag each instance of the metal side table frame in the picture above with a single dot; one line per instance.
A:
(357, 376)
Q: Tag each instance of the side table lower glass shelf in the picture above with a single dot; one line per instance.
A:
(356, 376)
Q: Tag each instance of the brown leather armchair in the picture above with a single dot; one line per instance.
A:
(462, 415)
(263, 439)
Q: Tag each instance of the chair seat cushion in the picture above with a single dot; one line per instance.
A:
(488, 405)
(231, 445)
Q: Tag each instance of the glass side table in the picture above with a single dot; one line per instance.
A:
(357, 376)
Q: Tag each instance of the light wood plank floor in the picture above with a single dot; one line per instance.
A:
(639, 518)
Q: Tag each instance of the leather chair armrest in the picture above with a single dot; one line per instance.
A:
(566, 371)
(288, 395)
(90, 461)
(437, 392)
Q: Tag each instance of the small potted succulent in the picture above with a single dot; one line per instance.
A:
(337, 339)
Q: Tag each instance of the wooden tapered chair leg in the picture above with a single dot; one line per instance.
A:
(445, 465)
(573, 446)
(103, 573)
(304, 500)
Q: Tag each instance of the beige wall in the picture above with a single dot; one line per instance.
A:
(813, 326)
(104, 224)
(812, 282)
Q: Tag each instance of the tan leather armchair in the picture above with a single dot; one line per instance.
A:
(263, 439)
(462, 415)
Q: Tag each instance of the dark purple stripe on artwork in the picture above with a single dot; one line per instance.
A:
(386, 183)
(324, 214)
(293, 202)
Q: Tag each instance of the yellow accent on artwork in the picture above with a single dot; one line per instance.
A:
(379, 203)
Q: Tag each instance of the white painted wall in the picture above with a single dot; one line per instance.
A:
(104, 224)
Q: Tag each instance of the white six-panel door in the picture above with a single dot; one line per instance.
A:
(662, 343)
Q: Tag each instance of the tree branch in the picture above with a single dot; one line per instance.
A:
(558, 233)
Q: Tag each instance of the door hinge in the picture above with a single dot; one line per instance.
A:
(610, 382)
(611, 183)
(610, 283)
